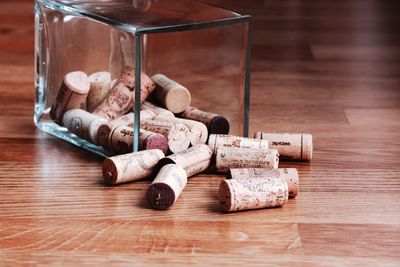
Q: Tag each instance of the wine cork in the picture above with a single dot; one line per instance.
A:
(150, 140)
(117, 103)
(198, 132)
(166, 187)
(220, 140)
(290, 175)
(291, 146)
(177, 134)
(172, 95)
(100, 85)
(130, 167)
(234, 157)
(121, 140)
(83, 124)
(153, 110)
(125, 120)
(247, 194)
(121, 97)
(72, 95)
(215, 123)
(193, 160)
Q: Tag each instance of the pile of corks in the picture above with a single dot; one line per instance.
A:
(176, 141)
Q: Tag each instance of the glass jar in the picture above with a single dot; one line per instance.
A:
(202, 47)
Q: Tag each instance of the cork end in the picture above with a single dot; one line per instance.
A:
(160, 196)
(225, 196)
(219, 125)
(307, 147)
(77, 81)
(110, 172)
(100, 77)
(199, 134)
(94, 129)
(103, 134)
(177, 99)
(157, 141)
(178, 138)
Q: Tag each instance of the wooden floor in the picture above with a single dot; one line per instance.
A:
(331, 68)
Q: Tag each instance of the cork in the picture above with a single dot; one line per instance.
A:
(248, 194)
(193, 160)
(291, 146)
(153, 110)
(130, 167)
(290, 175)
(72, 95)
(177, 134)
(150, 140)
(215, 123)
(121, 140)
(221, 140)
(198, 132)
(125, 120)
(100, 85)
(234, 157)
(166, 187)
(121, 97)
(118, 102)
(170, 94)
(83, 124)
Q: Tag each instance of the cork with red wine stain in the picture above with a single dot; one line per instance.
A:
(121, 140)
(177, 134)
(216, 124)
(105, 129)
(166, 187)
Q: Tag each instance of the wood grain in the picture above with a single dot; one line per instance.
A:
(330, 68)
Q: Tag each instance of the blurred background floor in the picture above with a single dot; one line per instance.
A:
(330, 68)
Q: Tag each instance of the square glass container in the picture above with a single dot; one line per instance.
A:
(201, 46)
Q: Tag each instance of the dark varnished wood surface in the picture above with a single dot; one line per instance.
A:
(326, 67)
